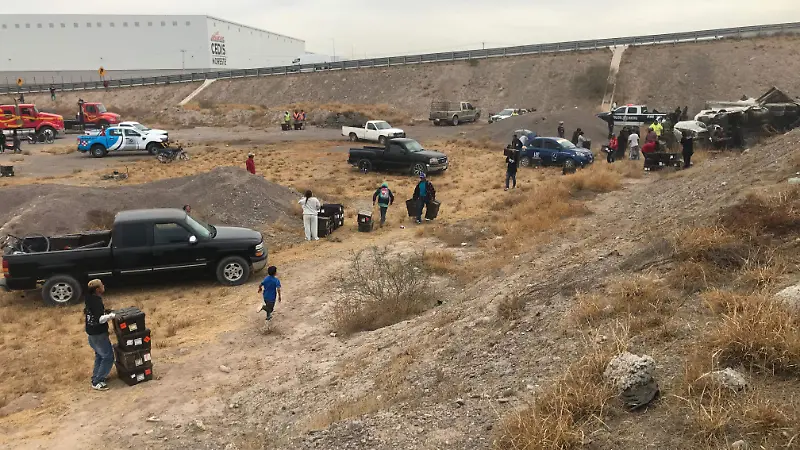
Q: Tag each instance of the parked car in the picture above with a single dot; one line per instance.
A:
(142, 129)
(116, 139)
(504, 114)
(453, 112)
(631, 115)
(141, 242)
(553, 151)
(405, 155)
(374, 131)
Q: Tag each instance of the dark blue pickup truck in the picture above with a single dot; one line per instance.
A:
(553, 151)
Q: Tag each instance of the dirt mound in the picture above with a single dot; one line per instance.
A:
(545, 124)
(226, 196)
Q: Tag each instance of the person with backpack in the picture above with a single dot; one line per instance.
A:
(383, 195)
(424, 194)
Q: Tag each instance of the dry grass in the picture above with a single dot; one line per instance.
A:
(756, 332)
(599, 178)
(60, 149)
(641, 300)
(777, 214)
(561, 416)
(440, 262)
(380, 289)
(510, 308)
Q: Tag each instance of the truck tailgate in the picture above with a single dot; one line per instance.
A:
(26, 269)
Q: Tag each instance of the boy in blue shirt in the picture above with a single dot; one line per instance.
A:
(271, 287)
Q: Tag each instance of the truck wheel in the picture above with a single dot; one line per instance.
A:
(417, 169)
(47, 134)
(364, 165)
(382, 140)
(477, 117)
(455, 121)
(233, 271)
(153, 148)
(61, 290)
(525, 161)
(353, 137)
(436, 122)
(98, 151)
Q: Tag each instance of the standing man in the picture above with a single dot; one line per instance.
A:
(516, 143)
(97, 318)
(383, 195)
(17, 143)
(2, 142)
(424, 194)
(633, 143)
(21, 97)
(622, 143)
(251, 163)
(287, 121)
(512, 162)
(561, 131)
(52, 93)
(687, 141)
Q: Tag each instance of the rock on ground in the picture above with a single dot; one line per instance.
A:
(790, 296)
(728, 378)
(627, 370)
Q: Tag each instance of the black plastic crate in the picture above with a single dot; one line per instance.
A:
(412, 206)
(365, 222)
(128, 320)
(135, 341)
(132, 360)
(136, 376)
(335, 212)
(324, 226)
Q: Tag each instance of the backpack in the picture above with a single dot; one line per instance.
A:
(383, 196)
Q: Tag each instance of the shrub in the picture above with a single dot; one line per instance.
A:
(510, 307)
(380, 290)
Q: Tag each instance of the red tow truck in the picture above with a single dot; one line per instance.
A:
(28, 120)
(92, 115)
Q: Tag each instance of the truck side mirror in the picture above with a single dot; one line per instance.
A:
(192, 240)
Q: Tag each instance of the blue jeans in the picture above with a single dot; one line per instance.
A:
(103, 356)
(511, 176)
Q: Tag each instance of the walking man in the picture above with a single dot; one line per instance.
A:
(561, 130)
(52, 93)
(97, 318)
(383, 195)
(424, 194)
(251, 163)
(687, 141)
(633, 143)
(512, 162)
(17, 142)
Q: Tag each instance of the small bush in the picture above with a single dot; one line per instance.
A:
(759, 333)
(440, 262)
(100, 219)
(379, 290)
(594, 180)
(778, 214)
(510, 307)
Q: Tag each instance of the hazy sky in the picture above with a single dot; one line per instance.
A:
(380, 27)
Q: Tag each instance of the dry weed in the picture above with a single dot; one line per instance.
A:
(777, 214)
(440, 262)
(594, 179)
(510, 307)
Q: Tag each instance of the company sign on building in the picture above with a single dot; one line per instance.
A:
(218, 57)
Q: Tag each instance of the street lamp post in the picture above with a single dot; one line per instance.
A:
(183, 61)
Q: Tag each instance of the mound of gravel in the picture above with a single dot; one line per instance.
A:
(224, 196)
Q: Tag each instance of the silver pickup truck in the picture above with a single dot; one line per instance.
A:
(453, 112)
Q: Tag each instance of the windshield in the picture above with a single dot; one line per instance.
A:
(200, 229)
(101, 108)
(413, 146)
(382, 125)
(565, 144)
(506, 112)
(140, 127)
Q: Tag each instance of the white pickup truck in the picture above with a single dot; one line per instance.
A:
(374, 131)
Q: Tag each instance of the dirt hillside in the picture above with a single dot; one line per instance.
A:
(228, 196)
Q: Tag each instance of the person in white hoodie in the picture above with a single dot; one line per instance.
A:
(311, 206)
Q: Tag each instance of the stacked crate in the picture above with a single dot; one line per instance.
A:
(330, 217)
(132, 352)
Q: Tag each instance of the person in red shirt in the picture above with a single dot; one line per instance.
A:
(251, 163)
(649, 147)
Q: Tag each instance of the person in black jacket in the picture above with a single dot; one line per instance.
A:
(424, 194)
(2, 142)
(516, 143)
(512, 162)
(97, 318)
(687, 141)
(561, 130)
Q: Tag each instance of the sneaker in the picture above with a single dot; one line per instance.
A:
(418, 221)
(427, 220)
(101, 386)
(506, 189)
(269, 316)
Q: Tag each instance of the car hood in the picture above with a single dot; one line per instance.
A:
(431, 154)
(154, 131)
(50, 116)
(237, 234)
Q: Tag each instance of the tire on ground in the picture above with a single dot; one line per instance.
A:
(233, 271)
(61, 290)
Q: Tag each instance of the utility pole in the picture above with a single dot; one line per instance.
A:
(183, 61)
(484, 45)
(334, 50)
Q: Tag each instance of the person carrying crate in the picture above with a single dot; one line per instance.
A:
(424, 194)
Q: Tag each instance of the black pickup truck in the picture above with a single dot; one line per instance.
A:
(141, 243)
(404, 155)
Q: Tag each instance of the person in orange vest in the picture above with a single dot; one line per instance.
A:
(296, 119)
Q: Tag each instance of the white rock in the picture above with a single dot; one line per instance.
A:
(728, 378)
(740, 445)
(627, 370)
(153, 419)
(790, 296)
(224, 368)
(199, 425)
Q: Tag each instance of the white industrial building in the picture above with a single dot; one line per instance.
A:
(66, 46)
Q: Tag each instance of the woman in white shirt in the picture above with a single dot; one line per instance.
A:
(311, 206)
